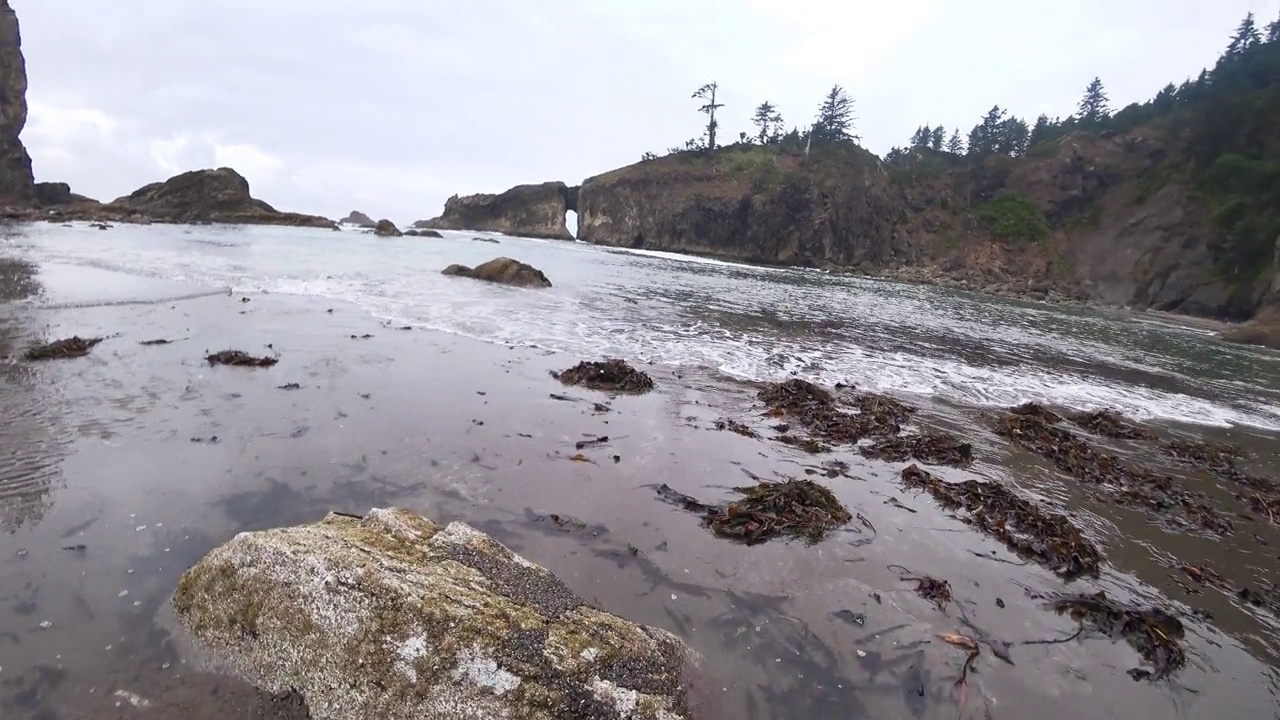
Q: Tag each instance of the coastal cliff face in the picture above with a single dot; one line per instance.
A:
(525, 210)
(1086, 217)
(16, 183)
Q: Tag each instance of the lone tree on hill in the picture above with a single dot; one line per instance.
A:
(955, 145)
(1093, 106)
(835, 117)
(1246, 38)
(707, 93)
(768, 122)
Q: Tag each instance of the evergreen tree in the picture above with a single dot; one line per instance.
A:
(1041, 131)
(707, 93)
(768, 123)
(937, 137)
(983, 138)
(920, 138)
(1012, 137)
(835, 117)
(955, 145)
(1273, 32)
(1246, 38)
(1093, 106)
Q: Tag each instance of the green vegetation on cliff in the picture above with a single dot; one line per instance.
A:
(1012, 216)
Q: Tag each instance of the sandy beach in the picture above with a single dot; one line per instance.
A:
(136, 460)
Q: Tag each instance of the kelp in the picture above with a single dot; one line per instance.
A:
(72, 347)
(608, 376)
(928, 448)
(1048, 539)
(792, 508)
(240, 358)
(1154, 633)
(1127, 485)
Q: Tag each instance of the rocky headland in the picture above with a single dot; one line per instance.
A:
(525, 210)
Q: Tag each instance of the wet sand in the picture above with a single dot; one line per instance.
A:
(122, 468)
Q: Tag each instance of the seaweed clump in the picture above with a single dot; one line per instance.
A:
(793, 508)
(241, 359)
(1050, 540)
(929, 448)
(1153, 632)
(1129, 485)
(1038, 411)
(1109, 423)
(736, 427)
(608, 375)
(72, 347)
(815, 408)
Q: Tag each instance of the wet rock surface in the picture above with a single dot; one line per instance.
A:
(391, 616)
(386, 228)
(503, 271)
(612, 375)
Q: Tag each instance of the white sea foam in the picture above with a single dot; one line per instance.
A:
(748, 322)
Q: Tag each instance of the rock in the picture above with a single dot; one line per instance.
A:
(386, 228)
(485, 240)
(358, 219)
(392, 617)
(502, 270)
(1263, 330)
(411, 233)
(429, 233)
(208, 196)
(525, 210)
(17, 186)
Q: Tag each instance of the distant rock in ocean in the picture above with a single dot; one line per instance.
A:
(536, 211)
(386, 228)
(358, 219)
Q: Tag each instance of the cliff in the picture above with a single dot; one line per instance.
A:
(16, 183)
(217, 196)
(525, 210)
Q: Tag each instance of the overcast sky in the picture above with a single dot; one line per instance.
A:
(390, 106)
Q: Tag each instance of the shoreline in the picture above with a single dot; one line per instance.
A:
(460, 429)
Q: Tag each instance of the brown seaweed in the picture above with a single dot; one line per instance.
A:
(1050, 540)
(1127, 485)
(736, 427)
(608, 376)
(72, 347)
(1109, 423)
(816, 410)
(1038, 411)
(1153, 632)
(792, 508)
(240, 358)
(928, 448)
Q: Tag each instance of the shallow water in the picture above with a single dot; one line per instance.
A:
(112, 483)
(750, 322)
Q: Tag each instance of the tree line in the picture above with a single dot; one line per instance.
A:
(999, 132)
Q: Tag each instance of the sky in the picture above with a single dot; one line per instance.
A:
(391, 106)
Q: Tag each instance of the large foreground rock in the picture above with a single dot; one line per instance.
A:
(502, 270)
(386, 228)
(395, 618)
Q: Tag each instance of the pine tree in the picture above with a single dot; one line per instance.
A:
(920, 138)
(937, 137)
(985, 136)
(955, 145)
(1245, 39)
(1093, 106)
(835, 117)
(1273, 32)
(1012, 137)
(768, 123)
(1040, 131)
(707, 93)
